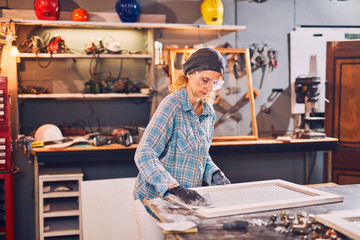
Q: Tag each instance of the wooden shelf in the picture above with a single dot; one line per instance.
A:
(61, 233)
(62, 213)
(81, 96)
(61, 194)
(120, 25)
(85, 56)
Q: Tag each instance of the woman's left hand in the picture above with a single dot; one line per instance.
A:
(218, 178)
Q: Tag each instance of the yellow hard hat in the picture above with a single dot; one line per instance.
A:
(212, 12)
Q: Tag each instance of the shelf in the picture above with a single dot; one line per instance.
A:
(61, 194)
(61, 233)
(61, 226)
(85, 56)
(314, 118)
(62, 213)
(167, 33)
(54, 205)
(81, 96)
(120, 25)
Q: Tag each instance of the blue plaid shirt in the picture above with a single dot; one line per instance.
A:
(174, 148)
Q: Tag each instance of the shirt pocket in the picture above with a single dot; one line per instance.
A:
(185, 141)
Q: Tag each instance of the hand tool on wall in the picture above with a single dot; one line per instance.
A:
(234, 65)
(235, 108)
(259, 56)
(224, 106)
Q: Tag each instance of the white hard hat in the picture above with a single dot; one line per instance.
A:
(48, 133)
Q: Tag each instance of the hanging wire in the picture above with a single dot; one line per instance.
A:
(38, 61)
(93, 69)
(120, 70)
(91, 111)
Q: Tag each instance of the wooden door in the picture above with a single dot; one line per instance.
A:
(342, 114)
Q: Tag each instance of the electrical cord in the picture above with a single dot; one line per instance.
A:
(91, 111)
(93, 69)
(37, 59)
(14, 170)
(120, 70)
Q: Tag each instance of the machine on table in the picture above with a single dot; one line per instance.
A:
(306, 89)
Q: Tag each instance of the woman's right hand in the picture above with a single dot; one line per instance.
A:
(189, 196)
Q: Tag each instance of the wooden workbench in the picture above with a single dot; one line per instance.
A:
(116, 151)
(167, 211)
(247, 146)
(114, 161)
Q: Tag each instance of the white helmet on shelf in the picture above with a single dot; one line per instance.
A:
(48, 133)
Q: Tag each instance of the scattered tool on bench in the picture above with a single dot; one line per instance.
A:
(229, 225)
(189, 226)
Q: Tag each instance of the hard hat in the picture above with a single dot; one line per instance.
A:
(128, 10)
(114, 47)
(46, 9)
(212, 12)
(80, 15)
(48, 133)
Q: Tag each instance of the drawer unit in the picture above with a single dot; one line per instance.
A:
(5, 149)
(6, 206)
(60, 205)
(4, 100)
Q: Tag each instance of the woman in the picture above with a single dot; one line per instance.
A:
(173, 154)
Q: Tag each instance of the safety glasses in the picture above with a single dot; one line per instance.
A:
(207, 82)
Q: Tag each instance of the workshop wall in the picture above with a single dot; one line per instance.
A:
(267, 23)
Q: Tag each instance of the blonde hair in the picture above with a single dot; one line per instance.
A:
(182, 80)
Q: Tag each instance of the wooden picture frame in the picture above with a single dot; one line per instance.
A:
(250, 97)
(342, 221)
(258, 196)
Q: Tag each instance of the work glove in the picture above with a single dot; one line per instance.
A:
(218, 178)
(189, 196)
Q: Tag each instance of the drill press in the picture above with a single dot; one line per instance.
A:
(306, 89)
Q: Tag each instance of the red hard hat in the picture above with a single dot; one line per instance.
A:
(80, 15)
(46, 9)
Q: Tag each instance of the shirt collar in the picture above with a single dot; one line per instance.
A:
(186, 104)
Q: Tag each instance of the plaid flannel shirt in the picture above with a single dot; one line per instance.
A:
(174, 148)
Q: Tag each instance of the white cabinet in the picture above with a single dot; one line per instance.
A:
(60, 204)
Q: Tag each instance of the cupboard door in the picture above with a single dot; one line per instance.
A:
(342, 114)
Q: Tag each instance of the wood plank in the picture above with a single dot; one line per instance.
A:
(62, 213)
(342, 222)
(172, 75)
(171, 212)
(114, 146)
(219, 29)
(108, 209)
(85, 56)
(82, 96)
(301, 196)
